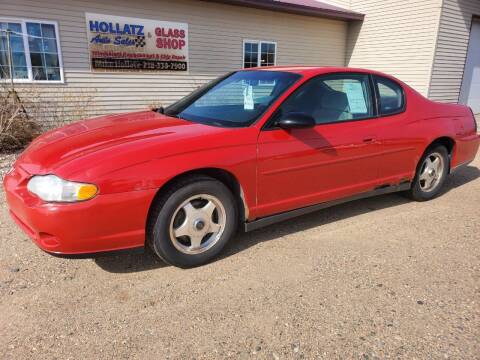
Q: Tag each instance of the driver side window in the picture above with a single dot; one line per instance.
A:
(332, 98)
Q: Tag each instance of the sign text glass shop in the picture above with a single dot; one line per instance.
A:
(130, 44)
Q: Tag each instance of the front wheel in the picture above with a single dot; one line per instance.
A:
(431, 174)
(192, 222)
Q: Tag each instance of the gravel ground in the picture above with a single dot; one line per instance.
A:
(377, 278)
(6, 160)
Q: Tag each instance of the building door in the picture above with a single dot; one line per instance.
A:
(470, 93)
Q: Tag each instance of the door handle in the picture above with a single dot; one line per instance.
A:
(369, 140)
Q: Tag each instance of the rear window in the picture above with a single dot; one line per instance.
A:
(390, 95)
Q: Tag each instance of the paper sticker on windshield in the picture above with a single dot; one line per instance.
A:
(356, 99)
(248, 98)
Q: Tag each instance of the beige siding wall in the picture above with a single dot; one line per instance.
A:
(452, 46)
(216, 40)
(397, 37)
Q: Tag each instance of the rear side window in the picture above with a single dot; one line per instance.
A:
(390, 96)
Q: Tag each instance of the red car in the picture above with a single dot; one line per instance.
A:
(251, 148)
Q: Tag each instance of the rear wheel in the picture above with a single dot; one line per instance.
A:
(192, 222)
(431, 174)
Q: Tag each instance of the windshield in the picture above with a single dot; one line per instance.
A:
(235, 100)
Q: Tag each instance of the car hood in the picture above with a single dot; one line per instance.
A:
(55, 150)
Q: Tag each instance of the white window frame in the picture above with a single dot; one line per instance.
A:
(30, 79)
(259, 42)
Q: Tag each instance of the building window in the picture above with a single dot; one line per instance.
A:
(35, 49)
(259, 53)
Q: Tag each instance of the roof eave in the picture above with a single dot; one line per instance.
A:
(295, 9)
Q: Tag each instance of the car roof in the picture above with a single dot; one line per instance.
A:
(310, 71)
(314, 70)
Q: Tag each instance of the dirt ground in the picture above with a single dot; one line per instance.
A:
(377, 278)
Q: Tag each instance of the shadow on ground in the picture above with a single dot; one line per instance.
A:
(129, 262)
(136, 262)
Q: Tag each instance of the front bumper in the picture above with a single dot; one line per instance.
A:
(106, 223)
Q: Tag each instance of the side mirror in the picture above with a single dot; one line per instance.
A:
(296, 120)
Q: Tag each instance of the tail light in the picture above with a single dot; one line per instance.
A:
(474, 120)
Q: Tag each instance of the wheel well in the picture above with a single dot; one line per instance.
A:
(449, 143)
(225, 177)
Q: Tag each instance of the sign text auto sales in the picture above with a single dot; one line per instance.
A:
(122, 43)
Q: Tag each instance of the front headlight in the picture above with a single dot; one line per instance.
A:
(52, 188)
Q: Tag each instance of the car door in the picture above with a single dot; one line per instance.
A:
(334, 159)
(397, 133)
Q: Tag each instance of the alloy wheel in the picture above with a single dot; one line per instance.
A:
(197, 224)
(431, 172)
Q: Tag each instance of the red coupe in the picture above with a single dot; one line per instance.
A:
(251, 148)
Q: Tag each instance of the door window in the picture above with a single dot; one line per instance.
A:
(332, 98)
(390, 96)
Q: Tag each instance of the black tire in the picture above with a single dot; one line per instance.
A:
(167, 205)
(416, 192)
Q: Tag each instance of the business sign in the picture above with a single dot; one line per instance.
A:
(130, 44)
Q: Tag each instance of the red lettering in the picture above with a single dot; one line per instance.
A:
(167, 38)
(166, 43)
(160, 43)
(170, 33)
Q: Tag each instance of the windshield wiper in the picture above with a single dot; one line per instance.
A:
(161, 110)
(175, 115)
